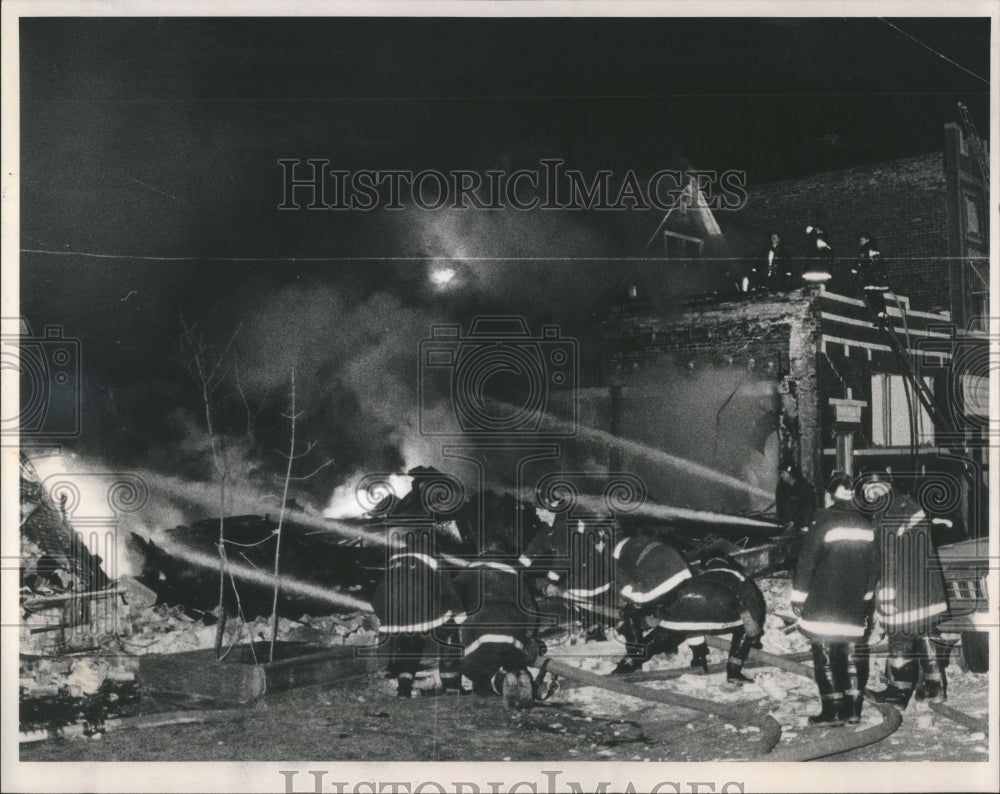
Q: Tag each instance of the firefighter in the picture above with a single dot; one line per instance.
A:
(832, 594)
(649, 573)
(499, 639)
(772, 269)
(911, 598)
(795, 505)
(794, 500)
(417, 603)
(820, 269)
(871, 274)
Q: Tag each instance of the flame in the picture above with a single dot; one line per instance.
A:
(440, 276)
(344, 502)
(91, 515)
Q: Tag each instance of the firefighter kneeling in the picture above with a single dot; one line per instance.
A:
(832, 595)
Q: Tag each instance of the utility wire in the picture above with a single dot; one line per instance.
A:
(435, 258)
(938, 54)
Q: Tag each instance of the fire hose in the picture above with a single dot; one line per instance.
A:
(769, 728)
(831, 745)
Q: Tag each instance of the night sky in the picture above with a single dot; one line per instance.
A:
(154, 143)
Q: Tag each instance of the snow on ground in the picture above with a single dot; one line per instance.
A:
(788, 697)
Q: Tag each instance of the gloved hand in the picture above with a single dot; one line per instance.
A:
(534, 648)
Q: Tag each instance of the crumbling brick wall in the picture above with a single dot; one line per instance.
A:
(778, 332)
(903, 203)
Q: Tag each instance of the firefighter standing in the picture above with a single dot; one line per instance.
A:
(417, 603)
(773, 269)
(821, 271)
(795, 505)
(832, 593)
(794, 500)
(911, 597)
(871, 274)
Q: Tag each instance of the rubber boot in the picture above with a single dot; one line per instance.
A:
(449, 663)
(699, 655)
(636, 649)
(510, 691)
(632, 629)
(830, 712)
(902, 678)
(830, 696)
(935, 684)
(739, 648)
(734, 674)
(627, 665)
(856, 679)
(525, 690)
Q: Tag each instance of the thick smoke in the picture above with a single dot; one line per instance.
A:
(351, 333)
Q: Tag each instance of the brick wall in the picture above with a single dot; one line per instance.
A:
(779, 332)
(901, 202)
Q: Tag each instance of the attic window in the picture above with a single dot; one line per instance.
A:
(681, 246)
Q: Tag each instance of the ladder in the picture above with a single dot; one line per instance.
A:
(920, 388)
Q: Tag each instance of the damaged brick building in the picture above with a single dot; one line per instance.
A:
(841, 395)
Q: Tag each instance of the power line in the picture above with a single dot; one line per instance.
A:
(436, 258)
(931, 49)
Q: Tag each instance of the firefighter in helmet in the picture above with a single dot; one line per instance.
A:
(911, 598)
(772, 269)
(871, 274)
(831, 595)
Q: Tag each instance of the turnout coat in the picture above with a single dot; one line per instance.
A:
(581, 564)
(502, 619)
(647, 569)
(836, 575)
(416, 596)
(795, 504)
(911, 596)
(869, 269)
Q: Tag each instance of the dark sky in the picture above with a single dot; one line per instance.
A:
(154, 143)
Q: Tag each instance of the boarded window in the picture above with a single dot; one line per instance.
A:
(891, 413)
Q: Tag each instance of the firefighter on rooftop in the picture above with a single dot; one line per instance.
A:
(820, 257)
(871, 274)
(772, 269)
(832, 594)
(911, 598)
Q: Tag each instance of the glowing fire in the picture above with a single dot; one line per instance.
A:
(344, 503)
(440, 276)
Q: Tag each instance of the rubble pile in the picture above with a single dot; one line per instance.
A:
(82, 634)
(63, 690)
(165, 629)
